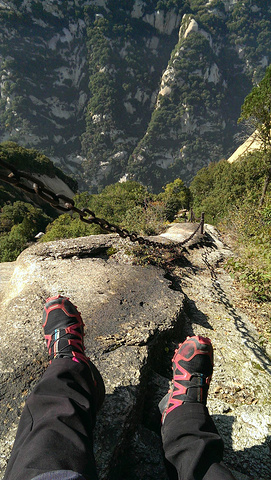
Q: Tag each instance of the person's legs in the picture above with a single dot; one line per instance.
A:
(55, 429)
(191, 441)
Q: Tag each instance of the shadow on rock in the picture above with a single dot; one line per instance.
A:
(240, 324)
(255, 459)
(194, 314)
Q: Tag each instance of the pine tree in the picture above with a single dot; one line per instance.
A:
(256, 110)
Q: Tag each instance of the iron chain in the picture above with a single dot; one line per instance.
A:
(30, 184)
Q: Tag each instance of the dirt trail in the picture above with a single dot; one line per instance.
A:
(240, 392)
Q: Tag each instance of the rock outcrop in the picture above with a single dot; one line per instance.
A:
(127, 310)
(250, 145)
(55, 184)
(135, 316)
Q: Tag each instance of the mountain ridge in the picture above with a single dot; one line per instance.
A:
(116, 90)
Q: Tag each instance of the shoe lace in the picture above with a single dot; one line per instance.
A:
(76, 342)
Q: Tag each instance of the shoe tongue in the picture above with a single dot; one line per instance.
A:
(59, 320)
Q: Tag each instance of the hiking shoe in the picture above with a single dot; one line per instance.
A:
(64, 331)
(192, 367)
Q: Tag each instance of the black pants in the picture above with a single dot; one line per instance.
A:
(55, 432)
(55, 429)
(192, 444)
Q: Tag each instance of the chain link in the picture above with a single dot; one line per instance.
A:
(30, 184)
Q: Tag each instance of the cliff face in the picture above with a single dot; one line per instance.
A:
(114, 90)
(44, 79)
(210, 71)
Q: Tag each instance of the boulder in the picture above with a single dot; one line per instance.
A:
(127, 309)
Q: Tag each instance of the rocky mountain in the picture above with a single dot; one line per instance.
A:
(149, 90)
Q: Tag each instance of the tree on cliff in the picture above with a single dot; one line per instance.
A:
(256, 110)
(175, 196)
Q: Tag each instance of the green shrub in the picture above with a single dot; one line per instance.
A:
(65, 226)
(19, 223)
(216, 189)
(229, 195)
(128, 205)
(257, 281)
(176, 196)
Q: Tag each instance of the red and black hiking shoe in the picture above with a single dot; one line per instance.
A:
(192, 367)
(64, 332)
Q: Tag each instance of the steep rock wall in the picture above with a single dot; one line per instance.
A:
(44, 80)
(198, 104)
(117, 90)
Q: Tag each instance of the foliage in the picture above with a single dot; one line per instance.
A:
(257, 109)
(128, 205)
(115, 200)
(266, 215)
(66, 226)
(250, 28)
(176, 196)
(149, 220)
(19, 223)
(175, 5)
(258, 282)
(133, 206)
(216, 189)
(229, 195)
(114, 204)
(252, 229)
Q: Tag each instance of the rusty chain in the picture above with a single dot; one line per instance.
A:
(29, 184)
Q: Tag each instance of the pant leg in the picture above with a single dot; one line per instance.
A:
(55, 429)
(193, 445)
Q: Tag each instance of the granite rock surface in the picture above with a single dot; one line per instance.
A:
(135, 317)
